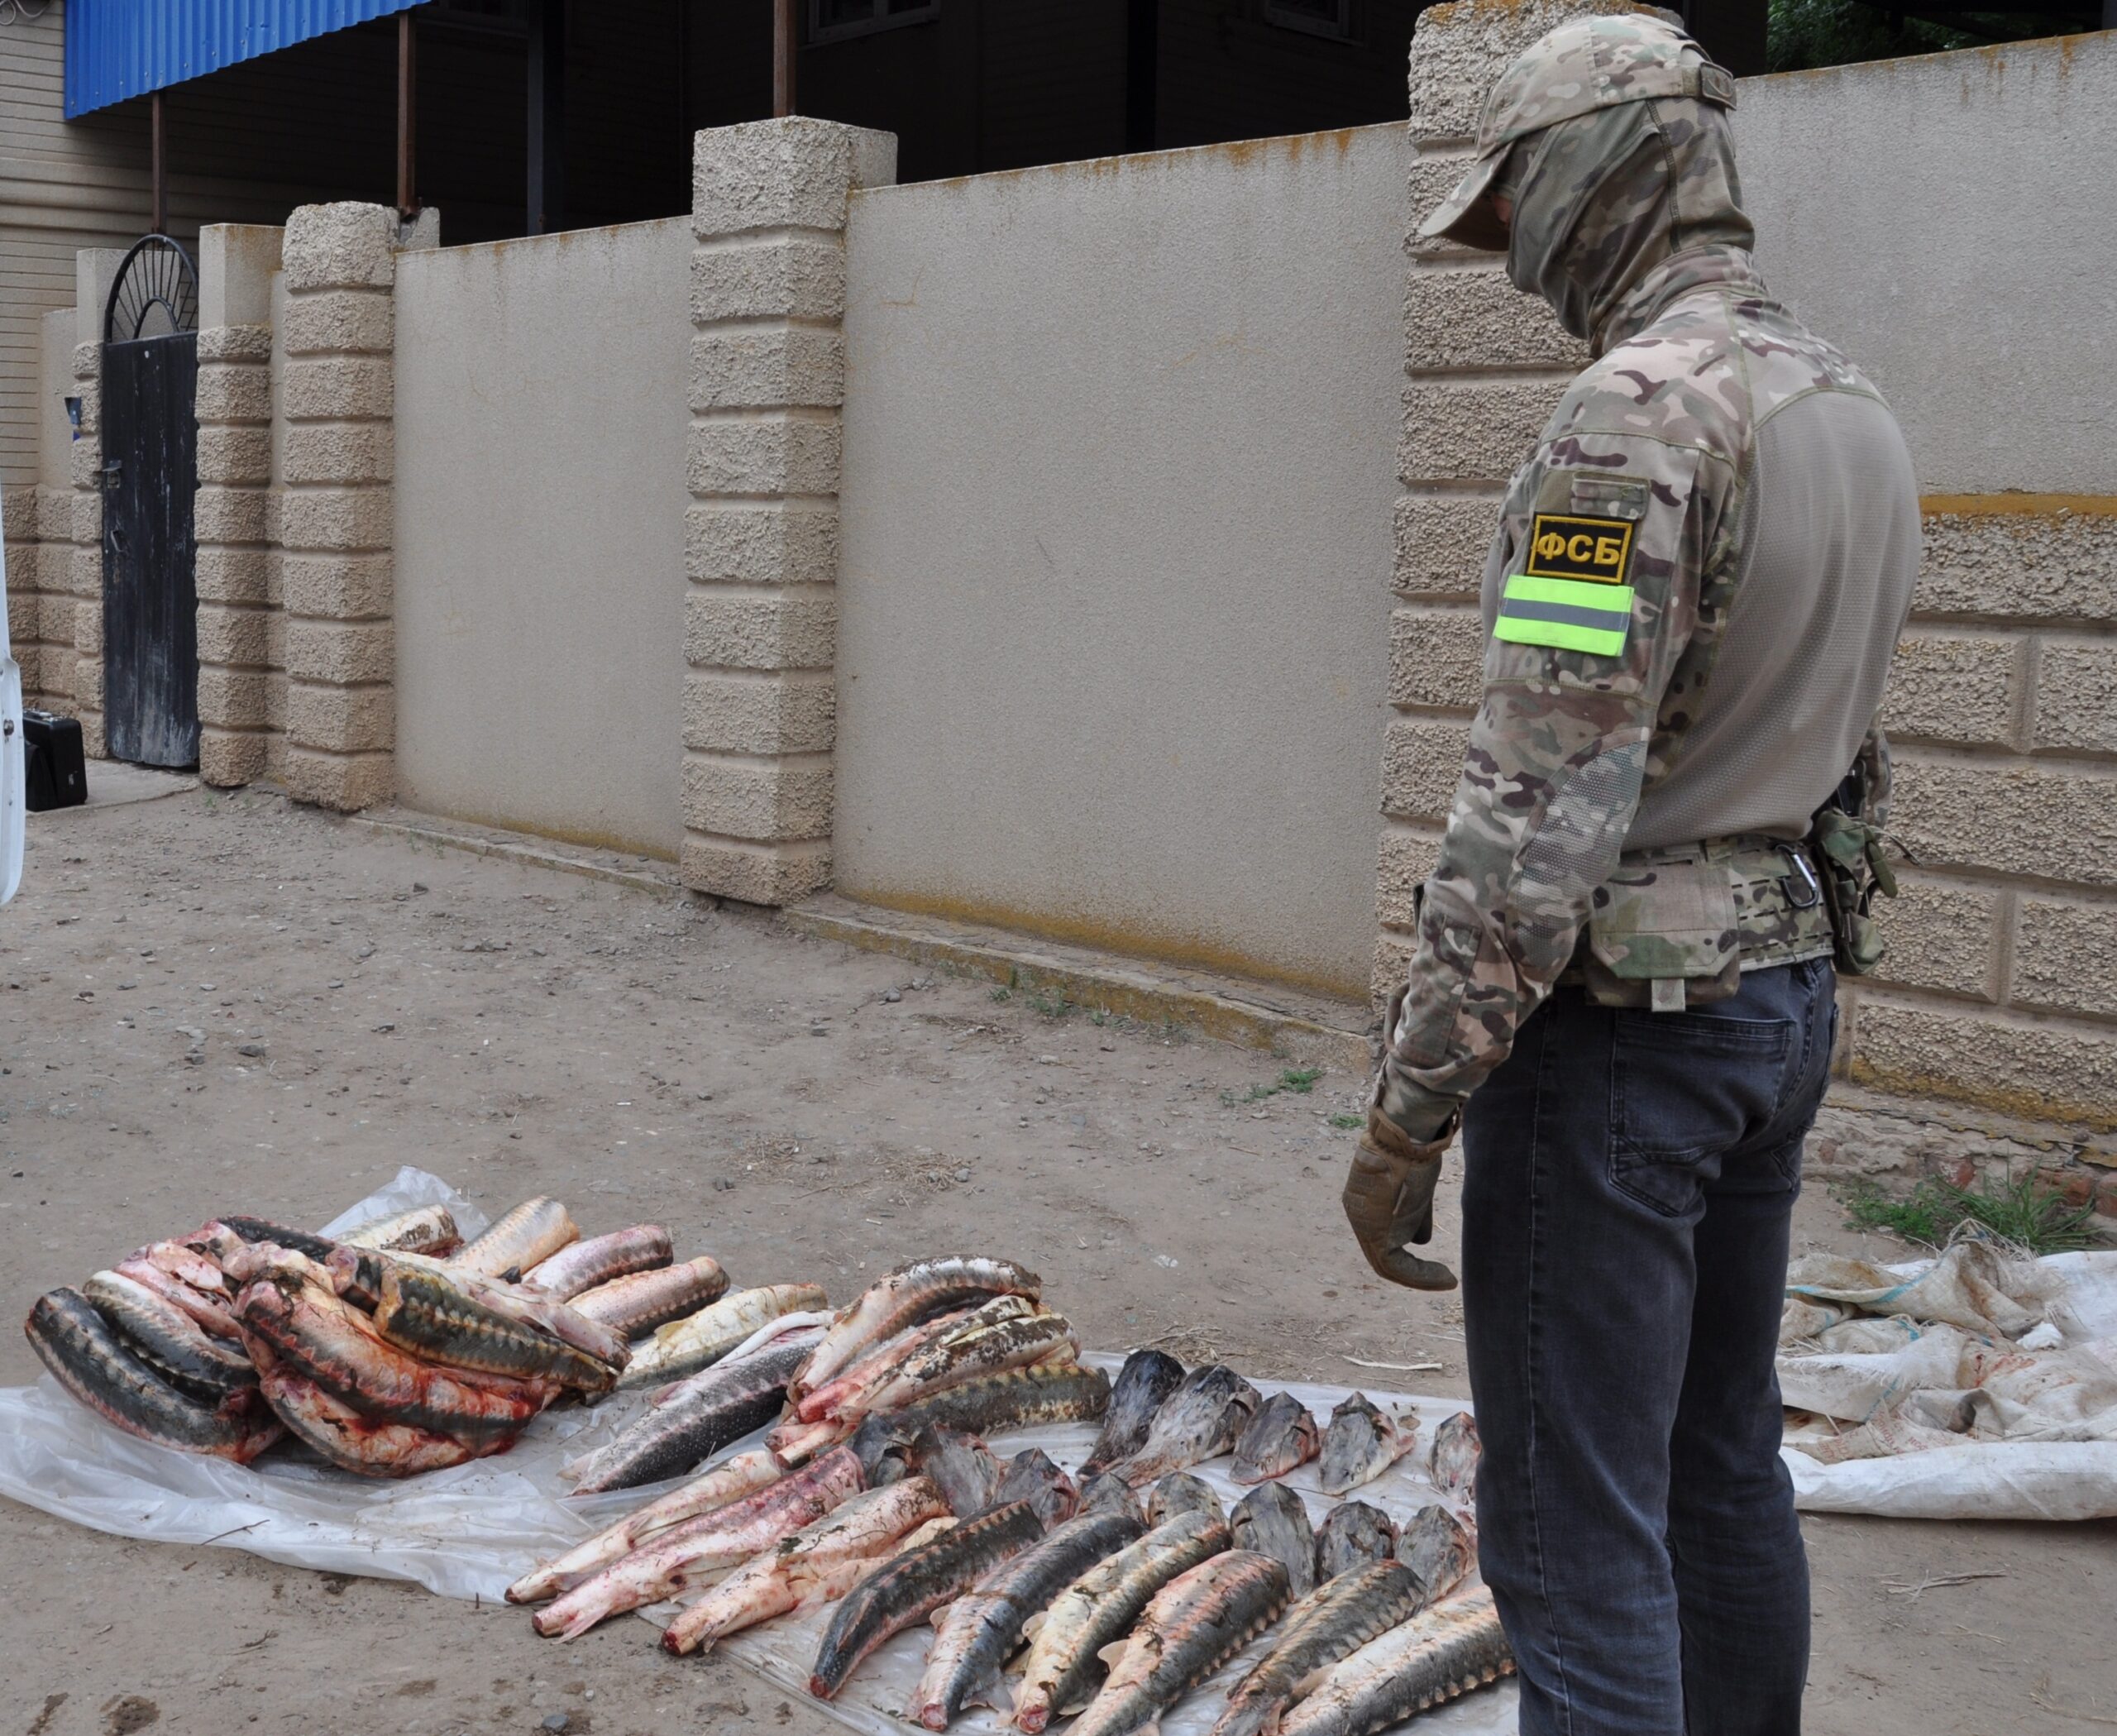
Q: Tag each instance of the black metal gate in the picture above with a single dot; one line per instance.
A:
(149, 474)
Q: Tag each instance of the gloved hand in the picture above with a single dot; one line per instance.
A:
(1388, 1200)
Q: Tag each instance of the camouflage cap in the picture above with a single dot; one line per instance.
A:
(1580, 67)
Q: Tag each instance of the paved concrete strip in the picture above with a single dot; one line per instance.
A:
(529, 853)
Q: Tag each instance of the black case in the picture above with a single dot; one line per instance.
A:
(56, 768)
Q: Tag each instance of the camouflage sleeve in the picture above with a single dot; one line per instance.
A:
(1596, 578)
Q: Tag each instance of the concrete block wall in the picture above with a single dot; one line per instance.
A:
(74, 629)
(239, 653)
(767, 383)
(1484, 366)
(2001, 985)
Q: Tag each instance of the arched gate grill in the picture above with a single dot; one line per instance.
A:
(149, 474)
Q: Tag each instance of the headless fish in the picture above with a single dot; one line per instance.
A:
(976, 1634)
(213, 1312)
(916, 1584)
(888, 1306)
(1360, 1444)
(262, 1231)
(1196, 1623)
(1067, 1643)
(359, 1443)
(1453, 1464)
(1281, 1437)
(967, 1355)
(1354, 1533)
(641, 1302)
(807, 1324)
(1444, 1652)
(848, 1391)
(1271, 1520)
(1440, 1550)
(582, 1265)
(533, 1232)
(730, 1400)
(169, 1340)
(1201, 1420)
(814, 1563)
(423, 1313)
(429, 1230)
(1332, 1622)
(1143, 1386)
(744, 1474)
(76, 1343)
(293, 1313)
(358, 1274)
(701, 1339)
(690, 1553)
(1180, 1492)
(1022, 1398)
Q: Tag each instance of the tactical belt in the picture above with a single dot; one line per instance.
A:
(1677, 927)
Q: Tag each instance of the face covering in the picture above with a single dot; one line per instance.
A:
(1601, 200)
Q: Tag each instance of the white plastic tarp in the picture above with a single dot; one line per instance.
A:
(470, 1531)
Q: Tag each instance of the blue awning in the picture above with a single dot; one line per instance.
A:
(116, 49)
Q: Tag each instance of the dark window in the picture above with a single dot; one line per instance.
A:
(830, 19)
(1318, 17)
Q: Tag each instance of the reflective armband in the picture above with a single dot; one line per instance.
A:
(1568, 615)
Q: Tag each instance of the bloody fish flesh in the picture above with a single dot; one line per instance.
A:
(892, 1303)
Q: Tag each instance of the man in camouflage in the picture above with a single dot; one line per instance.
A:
(1690, 604)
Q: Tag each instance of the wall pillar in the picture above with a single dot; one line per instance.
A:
(1485, 365)
(768, 210)
(74, 658)
(238, 635)
(335, 528)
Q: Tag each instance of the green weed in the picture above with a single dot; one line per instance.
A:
(1299, 1080)
(2030, 1212)
(1003, 993)
(1344, 1122)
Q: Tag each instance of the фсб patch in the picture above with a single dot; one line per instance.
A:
(1572, 594)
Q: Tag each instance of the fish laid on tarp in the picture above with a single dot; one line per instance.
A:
(980, 1630)
(1142, 1387)
(1201, 1420)
(892, 1303)
(1196, 1623)
(1068, 1642)
(807, 1324)
(1332, 1622)
(961, 1464)
(1034, 1476)
(260, 1231)
(89, 1359)
(582, 1265)
(1102, 1492)
(212, 1310)
(1353, 1534)
(698, 1549)
(851, 1390)
(368, 1446)
(169, 1340)
(1444, 1652)
(819, 1562)
(734, 1398)
(701, 1339)
(1360, 1443)
(1180, 1492)
(1271, 1520)
(642, 1302)
(358, 1274)
(975, 1351)
(916, 1584)
(422, 1230)
(533, 1232)
(1281, 1436)
(1022, 1398)
(1439, 1549)
(726, 1483)
(292, 1312)
(425, 1313)
(1453, 1463)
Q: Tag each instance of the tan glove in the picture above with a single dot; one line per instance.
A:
(1388, 1200)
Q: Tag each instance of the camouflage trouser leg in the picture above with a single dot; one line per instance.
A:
(1630, 1179)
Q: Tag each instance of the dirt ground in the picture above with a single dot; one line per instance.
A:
(211, 1003)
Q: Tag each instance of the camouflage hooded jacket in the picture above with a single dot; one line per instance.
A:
(1691, 601)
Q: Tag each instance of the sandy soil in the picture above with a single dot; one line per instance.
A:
(354, 1001)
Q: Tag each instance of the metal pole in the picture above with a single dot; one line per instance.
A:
(785, 41)
(158, 151)
(408, 117)
(546, 200)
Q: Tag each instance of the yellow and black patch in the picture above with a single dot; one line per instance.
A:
(1580, 546)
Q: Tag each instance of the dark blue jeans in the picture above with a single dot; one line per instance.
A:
(1630, 1176)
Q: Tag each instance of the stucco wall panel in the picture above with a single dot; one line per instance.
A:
(539, 560)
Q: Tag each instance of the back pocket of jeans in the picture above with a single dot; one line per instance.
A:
(1683, 1087)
